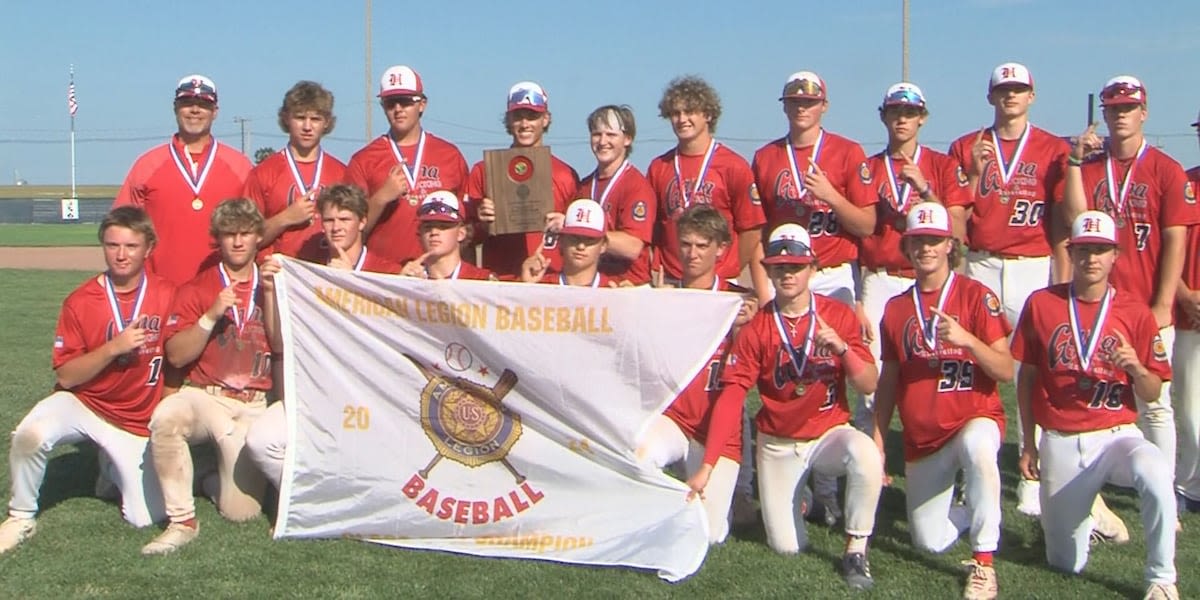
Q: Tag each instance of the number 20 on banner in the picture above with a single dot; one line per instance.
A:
(356, 417)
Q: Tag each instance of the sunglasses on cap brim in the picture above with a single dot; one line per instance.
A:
(788, 248)
(1123, 90)
(437, 208)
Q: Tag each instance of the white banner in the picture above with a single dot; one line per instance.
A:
(497, 419)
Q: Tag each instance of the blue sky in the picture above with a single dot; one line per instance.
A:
(128, 59)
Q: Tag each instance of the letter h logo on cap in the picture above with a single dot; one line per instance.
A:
(1091, 225)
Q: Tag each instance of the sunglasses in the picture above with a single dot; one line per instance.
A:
(788, 248)
(437, 208)
(1122, 90)
(531, 98)
(806, 87)
(901, 97)
(405, 101)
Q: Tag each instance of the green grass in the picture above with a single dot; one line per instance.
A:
(84, 549)
(39, 234)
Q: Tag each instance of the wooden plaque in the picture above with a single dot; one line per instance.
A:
(519, 181)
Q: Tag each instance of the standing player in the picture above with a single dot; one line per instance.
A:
(222, 331)
(627, 198)
(816, 179)
(581, 243)
(343, 210)
(285, 185)
(1186, 358)
(1086, 350)
(1153, 204)
(400, 167)
(681, 432)
(108, 364)
(945, 347)
(443, 231)
(180, 182)
(1010, 217)
(700, 170)
(526, 119)
(802, 351)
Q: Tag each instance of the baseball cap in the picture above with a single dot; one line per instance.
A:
(1010, 73)
(400, 80)
(440, 206)
(1123, 89)
(527, 95)
(904, 94)
(1093, 227)
(804, 84)
(196, 86)
(584, 218)
(789, 244)
(928, 218)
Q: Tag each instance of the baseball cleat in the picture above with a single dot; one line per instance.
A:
(981, 582)
(173, 538)
(1107, 526)
(1028, 501)
(1162, 591)
(15, 530)
(857, 571)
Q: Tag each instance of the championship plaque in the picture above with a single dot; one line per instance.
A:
(519, 182)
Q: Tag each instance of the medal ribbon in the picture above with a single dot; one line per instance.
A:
(929, 328)
(798, 181)
(362, 259)
(687, 196)
(1007, 171)
(562, 278)
(239, 320)
(902, 194)
(410, 174)
(799, 360)
(194, 181)
(612, 183)
(1087, 349)
(111, 293)
(291, 162)
(1119, 200)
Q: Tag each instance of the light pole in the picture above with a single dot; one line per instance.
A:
(904, 45)
(367, 72)
(242, 121)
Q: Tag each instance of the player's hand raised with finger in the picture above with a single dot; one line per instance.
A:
(1088, 143)
(1124, 356)
(827, 337)
(911, 173)
(226, 300)
(950, 331)
(981, 152)
(534, 267)
(817, 182)
(416, 267)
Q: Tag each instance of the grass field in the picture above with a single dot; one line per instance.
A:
(35, 234)
(84, 549)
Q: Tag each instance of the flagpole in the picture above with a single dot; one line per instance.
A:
(71, 109)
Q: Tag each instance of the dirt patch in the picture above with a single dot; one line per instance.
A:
(81, 258)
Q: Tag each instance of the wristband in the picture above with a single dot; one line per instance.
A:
(206, 322)
(1074, 162)
(926, 193)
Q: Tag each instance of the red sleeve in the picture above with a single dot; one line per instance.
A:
(989, 314)
(356, 173)
(255, 192)
(475, 184)
(953, 183)
(725, 422)
(133, 191)
(887, 343)
(637, 213)
(1152, 352)
(1178, 198)
(858, 192)
(960, 160)
(1025, 347)
(851, 333)
(69, 342)
(1056, 172)
(747, 212)
(186, 309)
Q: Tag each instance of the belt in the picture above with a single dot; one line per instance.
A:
(1004, 255)
(246, 396)
(908, 272)
(1114, 429)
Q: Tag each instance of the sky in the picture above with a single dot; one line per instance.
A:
(128, 59)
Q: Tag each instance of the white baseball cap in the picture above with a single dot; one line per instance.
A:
(196, 86)
(789, 244)
(928, 218)
(1010, 73)
(584, 218)
(400, 80)
(1123, 89)
(804, 84)
(527, 95)
(1093, 227)
(440, 206)
(904, 94)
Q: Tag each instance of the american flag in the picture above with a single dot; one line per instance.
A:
(72, 104)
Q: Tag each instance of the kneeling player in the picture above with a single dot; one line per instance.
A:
(581, 243)
(343, 210)
(944, 346)
(108, 366)
(1086, 350)
(221, 332)
(442, 231)
(802, 350)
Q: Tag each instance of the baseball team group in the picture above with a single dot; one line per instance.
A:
(911, 280)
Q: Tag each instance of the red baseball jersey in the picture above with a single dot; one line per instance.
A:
(882, 249)
(629, 207)
(162, 186)
(1159, 196)
(728, 185)
(505, 253)
(1191, 257)
(442, 167)
(940, 390)
(469, 271)
(231, 359)
(842, 160)
(692, 409)
(273, 187)
(125, 392)
(1066, 397)
(1013, 218)
(372, 262)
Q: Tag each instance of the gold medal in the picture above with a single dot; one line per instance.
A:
(1120, 221)
(1003, 198)
(799, 390)
(412, 200)
(237, 343)
(197, 203)
(933, 362)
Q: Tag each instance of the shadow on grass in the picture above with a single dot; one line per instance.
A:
(69, 475)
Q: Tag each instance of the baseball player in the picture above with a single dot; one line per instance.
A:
(1152, 203)
(107, 361)
(1010, 218)
(816, 178)
(581, 243)
(701, 170)
(180, 182)
(285, 185)
(399, 168)
(343, 211)
(802, 351)
(944, 347)
(526, 119)
(443, 231)
(680, 433)
(1087, 349)
(222, 331)
(627, 198)
(1186, 358)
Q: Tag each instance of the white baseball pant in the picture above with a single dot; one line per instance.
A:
(1186, 386)
(783, 466)
(877, 288)
(929, 490)
(1073, 469)
(61, 418)
(1157, 419)
(267, 441)
(193, 416)
(665, 444)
